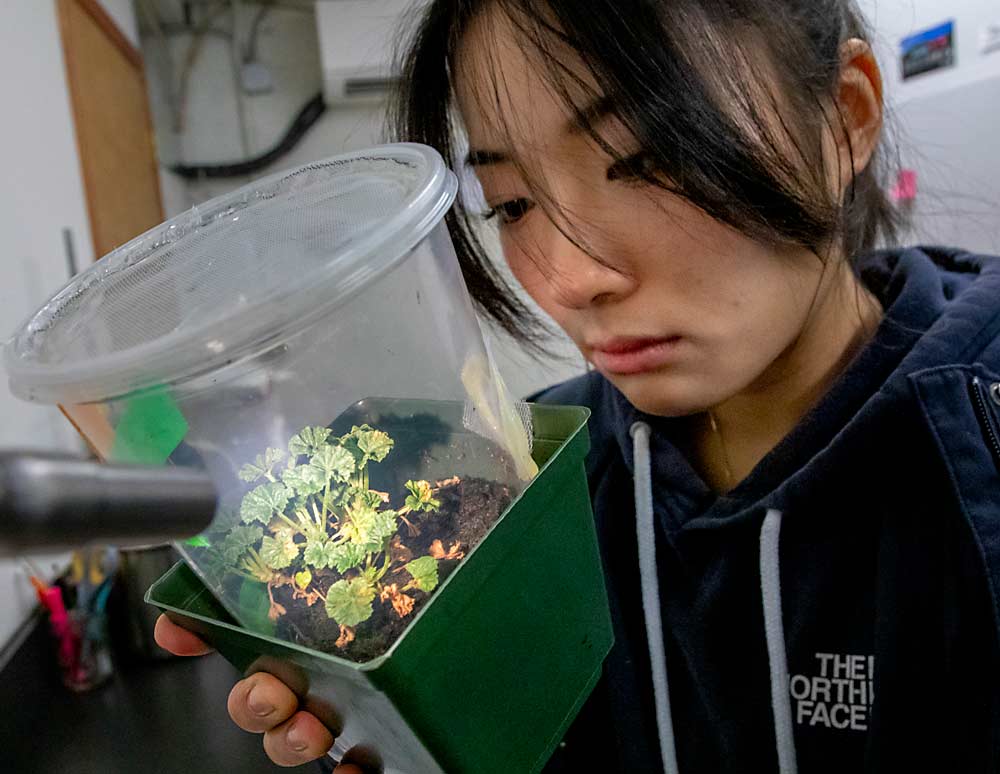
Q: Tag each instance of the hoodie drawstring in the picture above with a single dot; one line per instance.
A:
(646, 536)
(774, 633)
(770, 582)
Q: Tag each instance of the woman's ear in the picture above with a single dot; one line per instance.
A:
(859, 102)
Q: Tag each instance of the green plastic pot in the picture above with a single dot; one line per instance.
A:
(493, 669)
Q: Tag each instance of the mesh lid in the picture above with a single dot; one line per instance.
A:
(230, 277)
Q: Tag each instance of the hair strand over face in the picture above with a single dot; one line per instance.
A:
(728, 101)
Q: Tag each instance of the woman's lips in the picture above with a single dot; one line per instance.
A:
(625, 356)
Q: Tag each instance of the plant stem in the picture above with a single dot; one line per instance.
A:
(292, 524)
(326, 499)
(256, 566)
(385, 567)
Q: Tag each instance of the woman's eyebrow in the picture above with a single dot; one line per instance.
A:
(481, 158)
(583, 119)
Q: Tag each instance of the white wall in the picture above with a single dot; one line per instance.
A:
(41, 195)
(946, 121)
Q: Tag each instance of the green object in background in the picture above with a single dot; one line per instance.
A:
(491, 672)
(150, 429)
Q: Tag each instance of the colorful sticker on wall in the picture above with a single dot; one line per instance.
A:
(931, 49)
(905, 189)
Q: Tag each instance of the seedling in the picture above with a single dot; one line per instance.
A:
(312, 522)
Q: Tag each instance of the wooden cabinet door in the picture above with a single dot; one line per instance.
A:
(113, 127)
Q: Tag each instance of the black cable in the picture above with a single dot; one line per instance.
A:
(302, 123)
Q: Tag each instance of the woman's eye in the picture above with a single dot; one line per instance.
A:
(509, 212)
(636, 168)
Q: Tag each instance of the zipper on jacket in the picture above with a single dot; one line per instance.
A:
(982, 395)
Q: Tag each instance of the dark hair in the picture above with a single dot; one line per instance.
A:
(728, 100)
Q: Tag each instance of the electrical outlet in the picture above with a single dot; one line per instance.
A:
(989, 38)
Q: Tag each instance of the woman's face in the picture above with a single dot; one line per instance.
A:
(677, 310)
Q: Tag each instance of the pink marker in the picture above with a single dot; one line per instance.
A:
(59, 619)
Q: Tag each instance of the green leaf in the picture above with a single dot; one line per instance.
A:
(347, 556)
(383, 527)
(238, 541)
(303, 579)
(368, 497)
(350, 602)
(313, 532)
(374, 444)
(319, 554)
(245, 535)
(314, 555)
(279, 551)
(333, 462)
(304, 479)
(425, 572)
(262, 503)
(370, 574)
(224, 521)
(420, 498)
(262, 466)
(366, 527)
(309, 441)
(342, 494)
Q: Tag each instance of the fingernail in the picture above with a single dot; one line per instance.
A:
(295, 738)
(259, 706)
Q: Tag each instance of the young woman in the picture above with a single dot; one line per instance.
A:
(796, 440)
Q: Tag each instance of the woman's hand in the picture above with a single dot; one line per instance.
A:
(262, 704)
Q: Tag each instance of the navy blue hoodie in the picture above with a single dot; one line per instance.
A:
(880, 563)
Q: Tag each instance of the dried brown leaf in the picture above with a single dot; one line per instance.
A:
(403, 604)
(387, 592)
(346, 637)
(275, 610)
(437, 550)
(311, 597)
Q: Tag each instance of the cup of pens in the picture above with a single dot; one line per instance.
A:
(77, 610)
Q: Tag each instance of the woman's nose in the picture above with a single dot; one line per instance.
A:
(580, 275)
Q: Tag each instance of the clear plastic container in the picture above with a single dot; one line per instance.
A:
(309, 340)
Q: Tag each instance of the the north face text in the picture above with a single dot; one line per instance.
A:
(840, 696)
